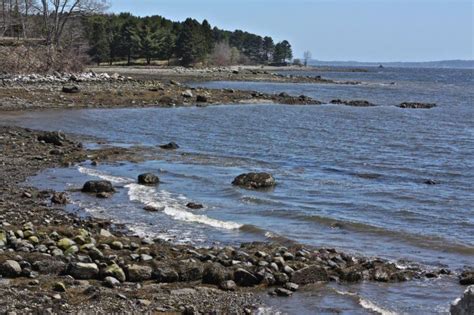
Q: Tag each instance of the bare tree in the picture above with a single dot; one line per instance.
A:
(307, 57)
(56, 13)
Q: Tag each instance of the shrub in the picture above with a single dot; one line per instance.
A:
(41, 59)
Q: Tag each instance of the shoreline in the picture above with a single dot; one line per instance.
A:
(190, 279)
(197, 277)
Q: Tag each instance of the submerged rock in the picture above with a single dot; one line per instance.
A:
(194, 206)
(151, 208)
(103, 195)
(148, 179)
(254, 180)
(415, 105)
(170, 146)
(98, 186)
(357, 103)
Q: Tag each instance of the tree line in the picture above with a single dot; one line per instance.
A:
(54, 29)
(127, 37)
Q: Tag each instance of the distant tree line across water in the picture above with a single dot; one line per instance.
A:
(125, 37)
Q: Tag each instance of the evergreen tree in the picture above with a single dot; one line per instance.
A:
(167, 45)
(190, 45)
(128, 39)
(268, 48)
(283, 52)
(147, 42)
(208, 37)
(99, 46)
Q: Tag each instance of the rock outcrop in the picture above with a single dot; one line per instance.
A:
(415, 105)
(148, 179)
(465, 304)
(98, 186)
(254, 180)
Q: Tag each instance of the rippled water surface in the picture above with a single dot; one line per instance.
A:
(351, 178)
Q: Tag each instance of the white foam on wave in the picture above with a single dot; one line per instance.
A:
(104, 176)
(368, 305)
(159, 199)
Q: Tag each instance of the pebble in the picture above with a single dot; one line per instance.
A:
(111, 282)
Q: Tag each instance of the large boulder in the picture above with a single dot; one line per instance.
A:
(244, 278)
(148, 179)
(165, 275)
(465, 304)
(50, 266)
(10, 269)
(190, 272)
(83, 271)
(137, 273)
(214, 273)
(254, 180)
(98, 186)
(467, 277)
(310, 274)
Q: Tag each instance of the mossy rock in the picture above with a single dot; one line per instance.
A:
(71, 250)
(115, 271)
(65, 243)
(33, 240)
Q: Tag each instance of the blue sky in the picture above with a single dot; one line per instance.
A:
(361, 30)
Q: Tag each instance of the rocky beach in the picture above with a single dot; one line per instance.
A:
(57, 262)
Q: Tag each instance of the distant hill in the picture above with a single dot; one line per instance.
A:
(457, 64)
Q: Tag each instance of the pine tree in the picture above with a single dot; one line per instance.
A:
(190, 45)
(268, 48)
(167, 45)
(147, 42)
(99, 47)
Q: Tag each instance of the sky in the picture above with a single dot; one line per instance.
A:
(337, 30)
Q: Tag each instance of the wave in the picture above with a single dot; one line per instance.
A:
(260, 201)
(104, 176)
(426, 241)
(172, 207)
(366, 304)
(249, 228)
